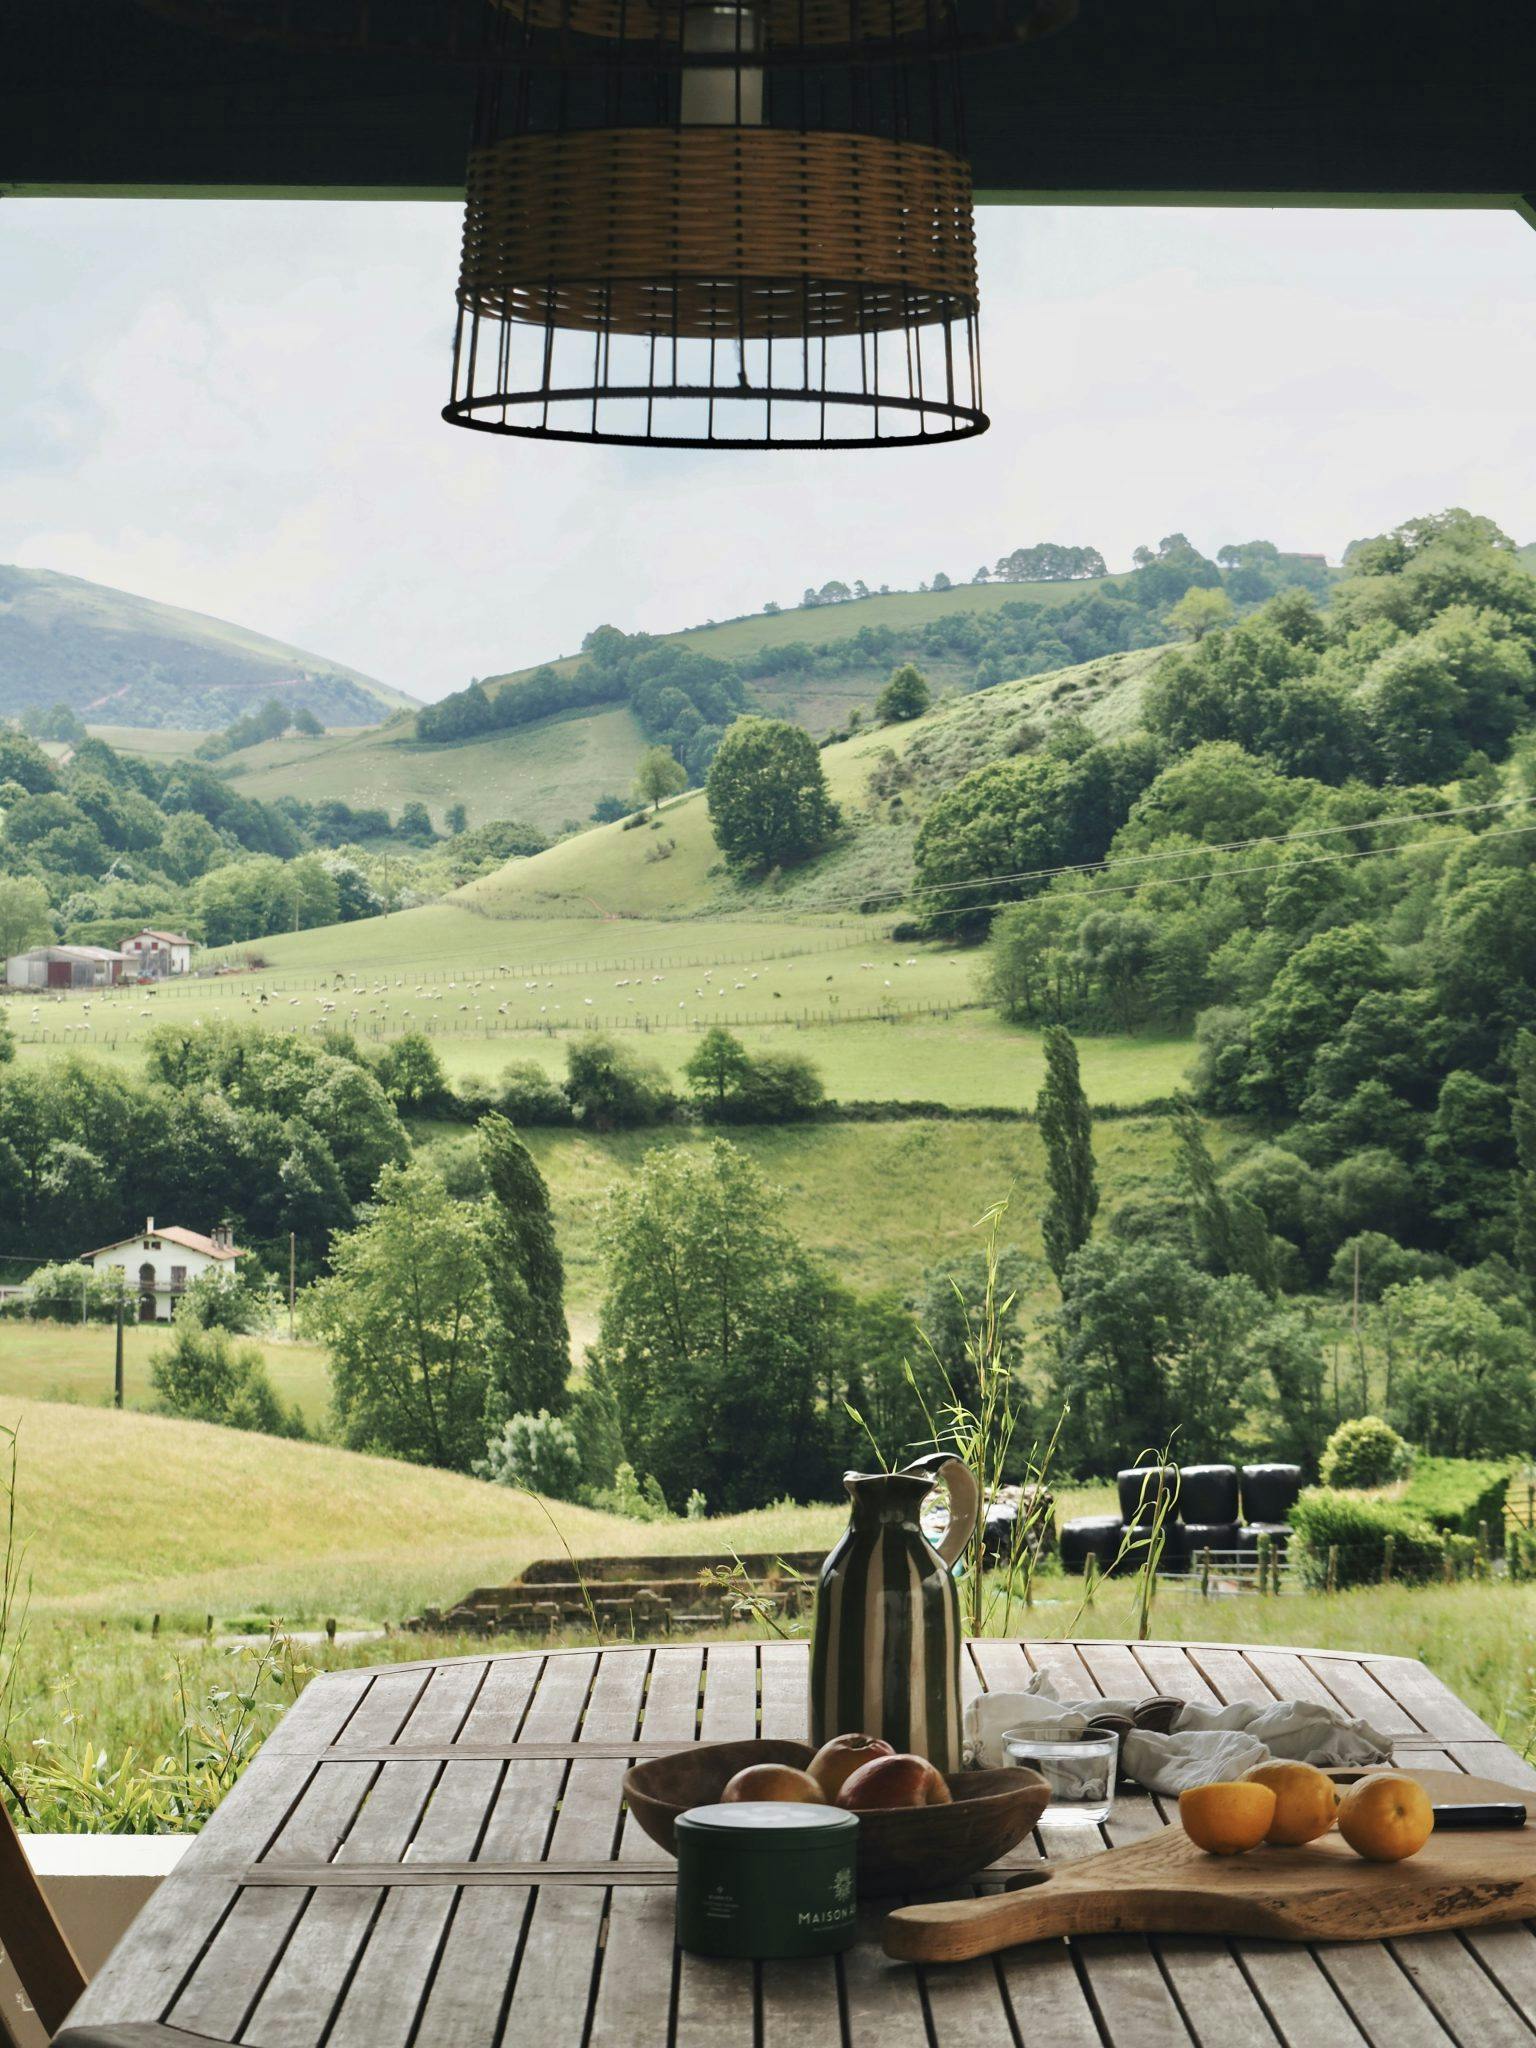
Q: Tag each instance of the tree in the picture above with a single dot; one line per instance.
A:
(408, 1312)
(1523, 1117)
(456, 819)
(609, 1087)
(1066, 1129)
(716, 1068)
(719, 1340)
(905, 696)
(767, 795)
(1231, 1232)
(530, 1345)
(1199, 612)
(206, 1376)
(414, 822)
(537, 1453)
(411, 1074)
(1465, 1377)
(305, 721)
(659, 775)
(24, 919)
(609, 809)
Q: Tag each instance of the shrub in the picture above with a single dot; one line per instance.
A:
(220, 1300)
(71, 1293)
(610, 1087)
(639, 1500)
(528, 1096)
(1323, 1520)
(538, 1453)
(1364, 1451)
(1460, 1494)
(205, 1376)
(1384, 1263)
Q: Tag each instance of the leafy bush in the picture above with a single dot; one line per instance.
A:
(641, 1500)
(538, 1453)
(1460, 1494)
(528, 1096)
(69, 1293)
(220, 1300)
(205, 1377)
(1365, 1451)
(610, 1087)
(1384, 1263)
(1322, 1520)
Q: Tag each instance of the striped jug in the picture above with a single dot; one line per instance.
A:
(885, 1652)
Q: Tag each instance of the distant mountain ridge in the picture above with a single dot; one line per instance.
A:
(119, 659)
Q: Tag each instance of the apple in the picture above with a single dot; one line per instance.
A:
(836, 1761)
(888, 1781)
(773, 1781)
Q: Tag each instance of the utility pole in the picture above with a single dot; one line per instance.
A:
(293, 1258)
(117, 1385)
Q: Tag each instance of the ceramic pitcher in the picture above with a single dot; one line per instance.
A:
(885, 1652)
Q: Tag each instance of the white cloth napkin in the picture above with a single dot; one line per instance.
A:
(1206, 1744)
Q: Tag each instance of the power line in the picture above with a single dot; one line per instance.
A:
(896, 895)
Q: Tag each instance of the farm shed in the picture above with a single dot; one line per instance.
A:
(65, 967)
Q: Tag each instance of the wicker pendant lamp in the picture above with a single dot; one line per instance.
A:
(719, 223)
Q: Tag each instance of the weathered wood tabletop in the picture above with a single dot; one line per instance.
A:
(438, 1854)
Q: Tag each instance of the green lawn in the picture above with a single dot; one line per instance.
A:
(75, 1362)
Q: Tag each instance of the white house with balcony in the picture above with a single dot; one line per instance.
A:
(160, 1262)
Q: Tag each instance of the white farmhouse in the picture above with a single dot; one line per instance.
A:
(160, 1262)
(156, 952)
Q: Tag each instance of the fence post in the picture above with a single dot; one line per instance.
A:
(1090, 1577)
(1205, 1573)
(1264, 1563)
(1333, 1568)
(1484, 1548)
(1388, 1553)
(1448, 1569)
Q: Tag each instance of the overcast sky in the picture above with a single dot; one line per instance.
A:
(234, 407)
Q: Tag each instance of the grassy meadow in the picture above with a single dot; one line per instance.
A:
(74, 1362)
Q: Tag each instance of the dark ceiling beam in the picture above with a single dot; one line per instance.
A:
(1140, 101)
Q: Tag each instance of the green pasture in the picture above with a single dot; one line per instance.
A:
(75, 1362)
(546, 774)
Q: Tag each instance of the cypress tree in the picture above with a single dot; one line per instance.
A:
(1067, 1129)
(531, 1350)
(1523, 1116)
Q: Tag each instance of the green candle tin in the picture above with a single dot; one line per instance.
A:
(766, 1878)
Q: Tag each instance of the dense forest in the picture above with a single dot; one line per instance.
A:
(1319, 852)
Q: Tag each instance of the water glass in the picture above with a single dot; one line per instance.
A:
(1080, 1771)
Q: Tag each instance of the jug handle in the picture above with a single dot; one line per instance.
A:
(964, 1499)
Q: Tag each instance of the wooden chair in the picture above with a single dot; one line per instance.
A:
(48, 1967)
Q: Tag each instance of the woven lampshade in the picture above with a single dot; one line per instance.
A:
(692, 234)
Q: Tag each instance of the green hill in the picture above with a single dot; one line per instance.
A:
(138, 1514)
(123, 660)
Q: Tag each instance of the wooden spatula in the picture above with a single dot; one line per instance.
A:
(1323, 1892)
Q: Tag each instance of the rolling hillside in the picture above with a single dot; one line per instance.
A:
(123, 660)
(551, 772)
(143, 1513)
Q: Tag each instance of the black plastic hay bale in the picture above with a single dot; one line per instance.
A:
(1208, 1493)
(1213, 1536)
(1270, 1491)
(1139, 1487)
(1097, 1536)
(1279, 1534)
(1014, 1528)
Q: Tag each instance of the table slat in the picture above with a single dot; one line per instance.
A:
(469, 1986)
(379, 2006)
(230, 1975)
(634, 1991)
(1387, 2010)
(496, 1716)
(305, 1987)
(730, 1693)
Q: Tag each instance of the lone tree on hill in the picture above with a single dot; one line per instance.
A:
(1066, 1126)
(767, 795)
(906, 695)
(659, 775)
(1199, 612)
(529, 1343)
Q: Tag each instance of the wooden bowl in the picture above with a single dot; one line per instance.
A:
(901, 1849)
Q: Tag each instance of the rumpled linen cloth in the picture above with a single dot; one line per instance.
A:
(1206, 1744)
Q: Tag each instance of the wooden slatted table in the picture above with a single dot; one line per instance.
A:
(438, 1854)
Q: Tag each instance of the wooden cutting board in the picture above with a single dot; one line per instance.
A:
(1323, 1892)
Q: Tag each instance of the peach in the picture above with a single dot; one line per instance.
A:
(773, 1781)
(836, 1761)
(889, 1781)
